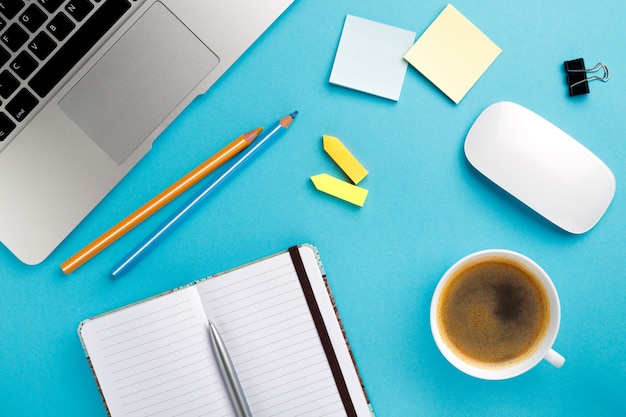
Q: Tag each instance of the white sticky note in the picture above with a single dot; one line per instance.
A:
(452, 53)
(369, 57)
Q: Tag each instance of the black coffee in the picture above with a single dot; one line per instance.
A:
(493, 312)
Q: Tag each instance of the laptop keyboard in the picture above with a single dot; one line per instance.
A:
(40, 43)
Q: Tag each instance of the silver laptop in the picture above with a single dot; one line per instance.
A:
(85, 88)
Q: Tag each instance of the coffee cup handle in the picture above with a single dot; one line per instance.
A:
(554, 358)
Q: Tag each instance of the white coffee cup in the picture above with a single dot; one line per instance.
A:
(542, 350)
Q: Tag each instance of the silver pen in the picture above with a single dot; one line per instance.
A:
(228, 373)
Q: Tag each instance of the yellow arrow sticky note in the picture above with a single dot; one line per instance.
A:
(342, 156)
(340, 189)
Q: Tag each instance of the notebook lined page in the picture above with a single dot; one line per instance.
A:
(154, 359)
(263, 317)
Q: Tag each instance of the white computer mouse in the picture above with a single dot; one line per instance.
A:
(541, 165)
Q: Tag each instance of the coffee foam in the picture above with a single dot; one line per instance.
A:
(493, 312)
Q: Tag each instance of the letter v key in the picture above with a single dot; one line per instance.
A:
(42, 45)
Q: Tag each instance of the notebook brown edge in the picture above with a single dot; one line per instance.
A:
(336, 311)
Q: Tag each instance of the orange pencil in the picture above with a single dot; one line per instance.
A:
(159, 201)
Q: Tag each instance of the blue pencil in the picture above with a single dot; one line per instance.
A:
(162, 231)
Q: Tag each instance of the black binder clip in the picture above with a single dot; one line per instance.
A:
(576, 74)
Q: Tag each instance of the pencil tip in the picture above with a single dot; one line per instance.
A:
(252, 135)
(286, 121)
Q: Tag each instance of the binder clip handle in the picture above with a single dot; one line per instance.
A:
(576, 74)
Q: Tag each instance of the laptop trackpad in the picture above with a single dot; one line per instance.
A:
(138, 82)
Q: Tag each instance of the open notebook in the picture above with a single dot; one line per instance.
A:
(278, 321)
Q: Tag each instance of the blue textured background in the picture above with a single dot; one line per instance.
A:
(427, 207)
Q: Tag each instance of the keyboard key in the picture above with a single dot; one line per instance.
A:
(21, 105)
(10, 8)
(3, 23)
(6, 126)
(23, 65)
(78, 45)
(14, 37)
(8, 84)
(42, 45)
(51, 5)
(60, 26)
(33, 18)
(4, 56)
(79, 9)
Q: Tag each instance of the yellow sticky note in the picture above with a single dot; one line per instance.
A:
(342, 156)
(340, 189)
(452, 53)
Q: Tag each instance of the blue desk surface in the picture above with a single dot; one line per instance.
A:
(426, 208)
